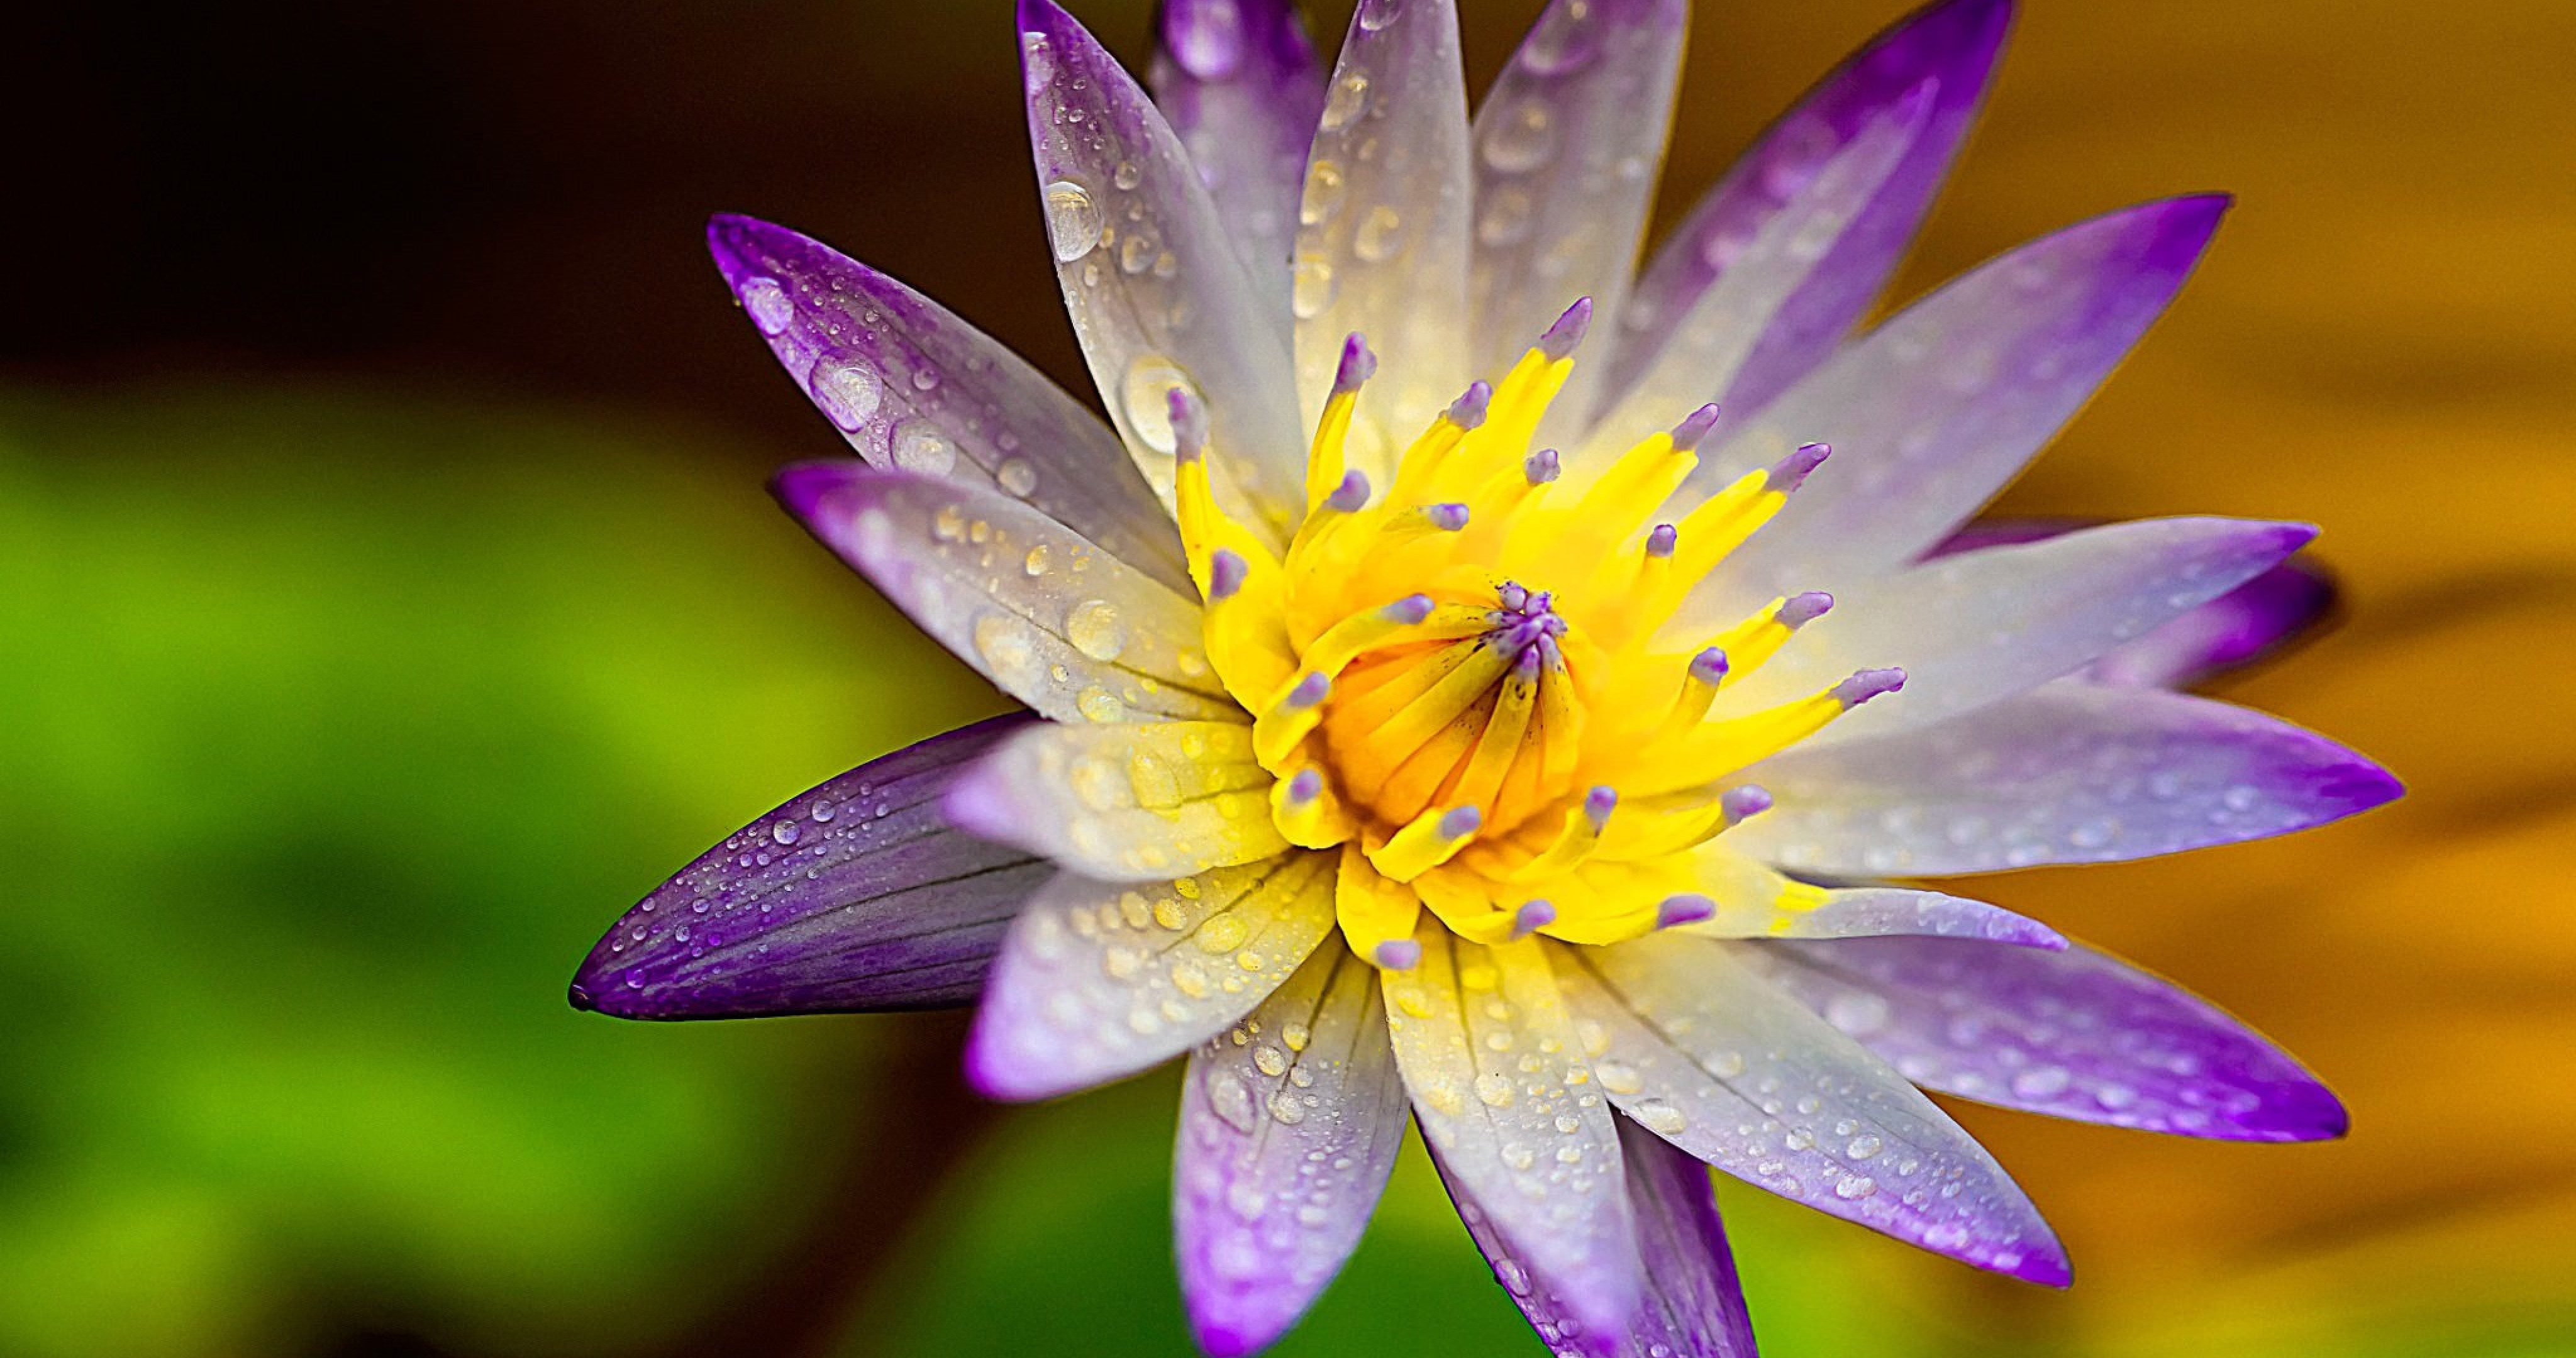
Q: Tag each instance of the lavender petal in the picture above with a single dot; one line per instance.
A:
(854, 896)
(2076, 1034)
(1933, 412)
(1704, 1053)
(1954, 46)
(912, 387)
(1289, 1127)
(2070, 772)
(1240, 84)
(1979, 628)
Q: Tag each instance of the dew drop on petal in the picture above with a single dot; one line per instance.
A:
(1073, 219)
(767, 302)
(922, 448)
(1094, 629)
(1017, 476)
(847, 393)
(1146, 395)
(1348, 99)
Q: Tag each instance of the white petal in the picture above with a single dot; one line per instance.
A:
(1503, 1096)
(1124, 804)
(1097, 981)
(1382, 242)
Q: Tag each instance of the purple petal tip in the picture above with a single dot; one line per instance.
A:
(1800, 609)
(1468, 411)
(801, 489)
(1568, 332)
(1352, 495)
(1868, 684)
(1410, 609)
(1226, 572)
(1542, 467)
(1792, 471)
(1398, 954)
(1744, 803)
(1709, 666)
(1598, 804)
(1532, 917)
(1687, 908)
(1358, 366)
(1448, 518)
(1689, 432)
(1311, 690)
(1662, 540)
(1460, 822)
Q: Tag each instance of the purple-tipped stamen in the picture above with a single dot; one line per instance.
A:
(1352, 495)
(1515, 596)
(1792, 471)
(1310, 691)
(1305, 787)
(1663, 540)
(1189, 424)
(1561, 338)
(1542, 467)
(1448, 518)
(1226, 571)
(1689, 432)
(1741, 804)
(1358, 366)
(1460, 821)
(1468, 411)
(1597, 806)
(1398, 954)
(1526, 627)
(1410, 609)
(1800, 609)
(1532, 917)
(1868, 684)
(1687, 908)
(1708, 667)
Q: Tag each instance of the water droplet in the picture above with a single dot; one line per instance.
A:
(1095, 630)
(1565, 38)
(2040, 1082)
(1017, 476)
(1349, 97)
(1037, 561)
(1508, 214)
(1864, 1146)
(1146, 395)
(922, 448)
(1658, 1117)
(786, 831)
(1523, 137)
(1270, 1060)
(1375, 15)
(1380, 235)
(1005, 644)
(1494, 1090)
(767, 302)
(1325, 188)
(1852, 1187)
(1619, 1077)
(1856, 1012)
(847, 393)
(1314, 284)
(1073, 219)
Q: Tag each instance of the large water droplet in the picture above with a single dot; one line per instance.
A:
(1229, 1099)
(847, 393)
(1094, 629)
(1325, 188)
(1522, 138)
(1017, 476)
(1313, 285)
(1565, 38)
(1375, 15)
(1073, 219)
(1380, 235)
(1349, 98)
(922, 448)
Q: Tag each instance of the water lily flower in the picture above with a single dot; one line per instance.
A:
(1475, 679)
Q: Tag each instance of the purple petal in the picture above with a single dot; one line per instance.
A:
(854, 896)
(2236, 629)
(1097, 980)
(1702, 1052)
(1952, 44)
(1754, 906)
(1976, 629)
(1933, 412)
(1159, 296)
(2070, 772)
(1382, 249)
(914, 388)
(1693, 1305)
(1049, 618)
(1723, 326)
(1241, 86)
(2075, 1034)
(1124, 803)
(1496, 1072)
(1569, 142)
(1289, 1127)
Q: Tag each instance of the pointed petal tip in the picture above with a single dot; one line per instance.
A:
(801, 488)
(977, 804)
(1567, 333)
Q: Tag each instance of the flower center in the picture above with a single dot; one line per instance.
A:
(1458, 680)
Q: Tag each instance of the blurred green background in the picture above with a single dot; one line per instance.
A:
(388, 597)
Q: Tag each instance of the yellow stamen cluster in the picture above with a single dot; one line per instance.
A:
(1460, 684)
